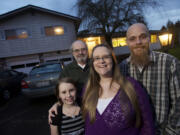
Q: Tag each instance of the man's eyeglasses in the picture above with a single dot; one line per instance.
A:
(79, 50)
(104, 58)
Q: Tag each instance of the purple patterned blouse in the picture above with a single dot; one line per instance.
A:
(119, 117)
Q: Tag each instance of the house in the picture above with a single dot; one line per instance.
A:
(31, 34)
(118, 41)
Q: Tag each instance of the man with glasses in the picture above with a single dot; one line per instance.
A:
(78, 70)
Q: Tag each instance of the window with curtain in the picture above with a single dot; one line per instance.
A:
(18, 33)
(54, 30)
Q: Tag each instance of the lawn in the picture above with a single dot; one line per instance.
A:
(175, 51)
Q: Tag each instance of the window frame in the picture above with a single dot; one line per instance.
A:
(52, 32)
(18, 33)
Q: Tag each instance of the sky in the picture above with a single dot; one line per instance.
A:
(156, 16)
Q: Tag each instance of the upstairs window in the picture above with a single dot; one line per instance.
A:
(54, 30)
(18, 33)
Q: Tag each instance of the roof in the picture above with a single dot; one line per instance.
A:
(36, 8)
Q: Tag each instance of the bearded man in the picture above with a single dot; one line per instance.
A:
(159, 74)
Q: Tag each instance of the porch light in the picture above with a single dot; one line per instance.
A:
(165, 39)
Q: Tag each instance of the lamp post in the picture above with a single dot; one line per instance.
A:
(165, 40)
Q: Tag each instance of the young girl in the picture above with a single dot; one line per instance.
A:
(69, 120)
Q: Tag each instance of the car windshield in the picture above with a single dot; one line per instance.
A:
(46, 69)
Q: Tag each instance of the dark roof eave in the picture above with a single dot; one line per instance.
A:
(116, 34)
(19, 10)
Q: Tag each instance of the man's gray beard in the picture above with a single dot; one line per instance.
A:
(141, 60)
(83, 59)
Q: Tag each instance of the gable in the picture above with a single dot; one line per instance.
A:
(34, 10)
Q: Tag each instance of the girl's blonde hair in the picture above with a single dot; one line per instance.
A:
(93, 89)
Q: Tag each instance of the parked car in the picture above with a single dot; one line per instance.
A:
(10, 83)
(41, 80)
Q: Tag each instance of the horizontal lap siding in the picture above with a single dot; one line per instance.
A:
(37, 42)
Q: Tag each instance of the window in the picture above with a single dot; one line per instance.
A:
(13, 73)
(153, 38)
(52, 60)
(32, 64)
(65, 59)
(92, 42)
(16, 33)
(117, 42)
(18, 66)
(46, 69)
(54, 30)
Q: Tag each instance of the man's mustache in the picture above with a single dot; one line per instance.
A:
(136, 47)
(80, 55)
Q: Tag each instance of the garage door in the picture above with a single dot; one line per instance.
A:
(23, 63)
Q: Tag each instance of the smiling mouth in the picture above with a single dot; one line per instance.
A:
(103, 66)
(81, 55)
(70, 100)
(139, 48)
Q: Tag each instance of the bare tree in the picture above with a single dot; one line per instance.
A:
(174, 28)
(111, 16)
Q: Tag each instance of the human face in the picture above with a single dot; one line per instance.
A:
(138, 39)
(102, 61)
(80, 52)
(67, 93)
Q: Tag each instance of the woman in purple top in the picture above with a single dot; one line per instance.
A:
(112, 104)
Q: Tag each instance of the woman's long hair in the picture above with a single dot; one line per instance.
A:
(93, 89)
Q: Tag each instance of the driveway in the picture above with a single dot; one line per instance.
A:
(21, 116)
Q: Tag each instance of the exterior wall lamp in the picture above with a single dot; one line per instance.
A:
(165, 41)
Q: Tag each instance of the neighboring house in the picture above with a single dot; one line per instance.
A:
(118, 41)
(30, 35)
